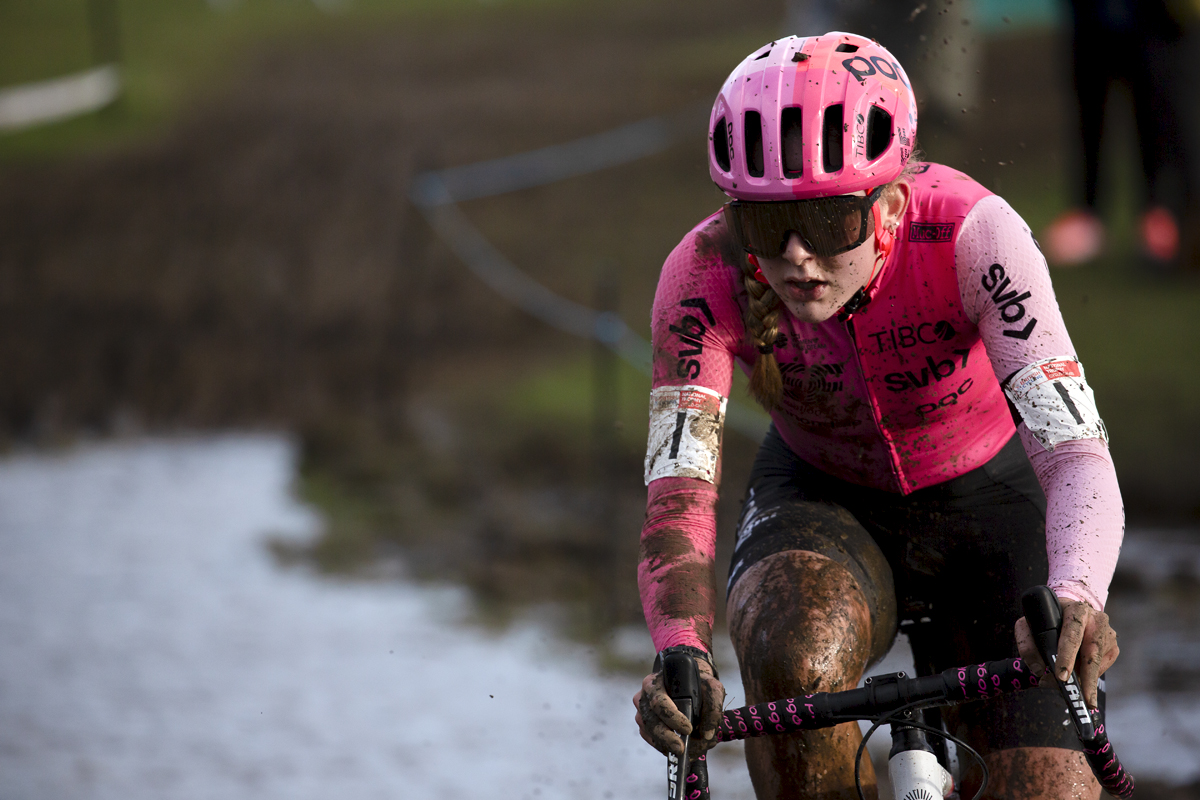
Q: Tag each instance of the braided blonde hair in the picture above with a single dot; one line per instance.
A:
(763, 309)
(761, 317)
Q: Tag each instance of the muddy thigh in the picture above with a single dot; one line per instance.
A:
(800, 623)
(1035, 773)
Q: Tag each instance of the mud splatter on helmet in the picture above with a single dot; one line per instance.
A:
(812, 116)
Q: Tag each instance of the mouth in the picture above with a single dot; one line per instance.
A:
(806, 291)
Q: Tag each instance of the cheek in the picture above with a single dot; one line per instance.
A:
(773, 272)
(857, 266)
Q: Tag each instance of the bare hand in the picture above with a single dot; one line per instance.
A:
(1086, 642)
(663, 725)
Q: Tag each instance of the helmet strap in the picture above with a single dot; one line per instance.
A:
(885, 239)
(758, 273)
(885, 242)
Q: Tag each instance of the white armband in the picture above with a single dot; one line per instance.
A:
(1055, 402)
(685, 433)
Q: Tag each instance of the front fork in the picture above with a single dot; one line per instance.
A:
(913, 767)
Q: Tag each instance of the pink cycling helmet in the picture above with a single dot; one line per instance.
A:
(811, 117)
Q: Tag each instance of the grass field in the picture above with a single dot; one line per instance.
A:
(175, 54)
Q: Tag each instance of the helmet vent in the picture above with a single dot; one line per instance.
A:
(879, 132)
(831, 139)
(846, 48)
(720, 143)
(754, 144)
(763, 55)
(789, 136)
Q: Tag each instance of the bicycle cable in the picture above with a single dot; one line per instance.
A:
(892, 717)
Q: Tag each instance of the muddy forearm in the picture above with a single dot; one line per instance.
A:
(676, 569)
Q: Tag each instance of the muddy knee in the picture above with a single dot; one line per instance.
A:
(800, 623)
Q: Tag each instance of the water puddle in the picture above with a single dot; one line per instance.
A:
(153, 650)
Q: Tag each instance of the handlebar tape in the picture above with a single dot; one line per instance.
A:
(1044, 616)
(1104, 763)
(884, 694)
(880, 696)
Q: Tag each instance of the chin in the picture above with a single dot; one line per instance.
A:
(811, 313)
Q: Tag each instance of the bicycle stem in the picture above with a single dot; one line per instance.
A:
(912, 766)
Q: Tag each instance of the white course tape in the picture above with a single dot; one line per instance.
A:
(60, 98)
(1055, 402)
(436, 195)
(685, 433)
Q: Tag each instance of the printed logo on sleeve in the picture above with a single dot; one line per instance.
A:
(685, 433)
(690, 331)
(930, 231)
(1009, 301)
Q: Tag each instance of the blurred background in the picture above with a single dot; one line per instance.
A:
(218, 217)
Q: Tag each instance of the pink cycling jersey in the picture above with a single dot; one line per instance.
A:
(904, 394)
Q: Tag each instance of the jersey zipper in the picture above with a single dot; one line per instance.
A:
(874, 406)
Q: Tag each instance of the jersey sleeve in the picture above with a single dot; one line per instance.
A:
(1006, 291)
(696, 330)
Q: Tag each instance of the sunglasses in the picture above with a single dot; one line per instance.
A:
(826, 225)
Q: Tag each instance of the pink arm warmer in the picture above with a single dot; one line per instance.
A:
(1085, 520)
(677, 567)
(676, 572)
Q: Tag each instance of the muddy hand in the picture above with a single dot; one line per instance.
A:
(1086, 642)
(662, 724)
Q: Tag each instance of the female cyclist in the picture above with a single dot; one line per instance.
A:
(935, 449)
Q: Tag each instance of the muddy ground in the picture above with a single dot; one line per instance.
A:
(260, 266)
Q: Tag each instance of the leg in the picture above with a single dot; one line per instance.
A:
(800, 623)
(1092, 76)
(1036, 773)
(1030, 754)
(810, 604)
(986, 532)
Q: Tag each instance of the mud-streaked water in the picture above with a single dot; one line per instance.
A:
(151, 649)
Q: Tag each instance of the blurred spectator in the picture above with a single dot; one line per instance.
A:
(1145, 45)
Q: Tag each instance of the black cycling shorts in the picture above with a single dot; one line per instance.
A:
(946, 564)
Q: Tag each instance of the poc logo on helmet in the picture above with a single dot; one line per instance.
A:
(862, 68)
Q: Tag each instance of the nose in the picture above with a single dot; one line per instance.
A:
(795, 251)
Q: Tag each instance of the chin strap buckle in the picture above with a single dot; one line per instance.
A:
(856, 302)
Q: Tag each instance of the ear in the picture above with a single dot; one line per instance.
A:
(893, 204)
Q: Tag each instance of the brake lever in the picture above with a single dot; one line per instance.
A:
(1044, 616)
(681, 680)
